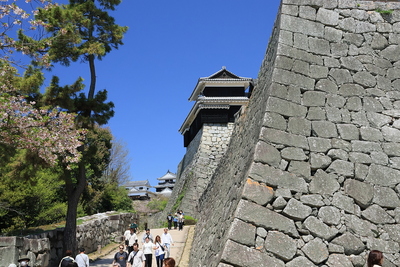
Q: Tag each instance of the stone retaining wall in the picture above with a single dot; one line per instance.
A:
(46, 249)
(312, 173)
(195, 170)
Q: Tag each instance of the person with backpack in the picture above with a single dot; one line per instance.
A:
(121, 257)
(67, 259)
(136, 257)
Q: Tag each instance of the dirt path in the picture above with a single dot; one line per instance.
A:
(179, 251)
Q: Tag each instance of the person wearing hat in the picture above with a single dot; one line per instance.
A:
(23, 261)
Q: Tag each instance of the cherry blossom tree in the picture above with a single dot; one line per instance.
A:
(49, 131)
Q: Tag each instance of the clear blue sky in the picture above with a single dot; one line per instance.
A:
(169, 45)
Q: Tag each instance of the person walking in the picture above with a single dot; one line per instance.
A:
(67, 259)
(170, 219)
(181, 220)
(147, 235)
(132, 240)
(121, 257)
(167, 241)
(375, 258)
(159, 251)
(127, 234)
(148, 252)
(82, 259)
(136, 257)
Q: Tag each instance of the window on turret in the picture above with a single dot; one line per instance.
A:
(224, 91)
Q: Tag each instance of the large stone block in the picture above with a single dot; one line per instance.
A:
(300, 261)
(324, 129)
(318, 144)
(341, 167)
(324, 183)
(293, 153)
(386, 197)
(290, 78)
(300, 126)
(277, 178)
(319, 229)
(284, 138)
(267, 154)
(377, 215)
(285, 108)
(361, 192)
(350, 243)
(343, 202)
(386, 246)
(316, 251)
(296, 210)
(258, 193)
(327, 17)
(261, 216)
(381, 175)
(242, 233)
(300, 25)
(282, 246)
(329, 215)
(339, 260)
(240, 255)
(359, 226)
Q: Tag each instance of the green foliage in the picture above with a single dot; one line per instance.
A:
(190, 220)
(178, 200)
(29, 192)
(110, 197)
(158, 204)
(382, 11)
(80, 29)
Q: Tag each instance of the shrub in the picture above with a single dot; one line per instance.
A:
(190, 220)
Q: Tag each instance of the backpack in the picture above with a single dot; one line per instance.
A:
(66, 261)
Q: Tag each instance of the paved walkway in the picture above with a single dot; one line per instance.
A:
(179, 238)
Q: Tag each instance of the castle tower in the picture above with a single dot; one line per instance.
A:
(218, 98)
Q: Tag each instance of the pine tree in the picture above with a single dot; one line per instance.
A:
(82, 30)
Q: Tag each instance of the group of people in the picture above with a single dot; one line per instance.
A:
(81, 260)
(161, 245)
(138, 258)
(178, 220)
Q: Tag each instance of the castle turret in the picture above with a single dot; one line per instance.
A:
(218, 98)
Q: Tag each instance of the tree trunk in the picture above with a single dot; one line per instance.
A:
(74, 192)
(92, 77)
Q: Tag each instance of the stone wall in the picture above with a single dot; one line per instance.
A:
(311, 176)
(46, 249)
(195, 170)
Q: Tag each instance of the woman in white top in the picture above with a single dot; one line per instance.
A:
(159, 251)
(148, 251)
